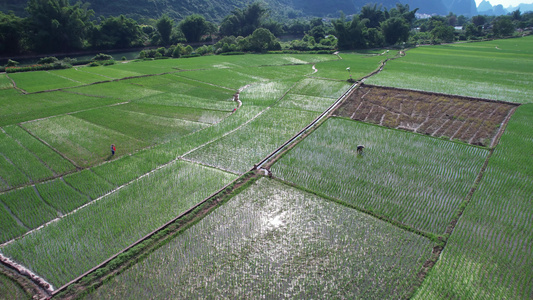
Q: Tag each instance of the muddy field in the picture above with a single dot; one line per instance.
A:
(474, 121)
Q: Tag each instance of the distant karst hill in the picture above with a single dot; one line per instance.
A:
(217, 10)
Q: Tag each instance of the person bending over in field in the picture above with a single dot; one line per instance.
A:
(113, 149)
(360, 149)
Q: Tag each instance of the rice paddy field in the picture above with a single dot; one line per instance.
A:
(498, 70)
(330, 223)
(274, 241)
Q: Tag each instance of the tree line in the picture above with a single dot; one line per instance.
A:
(56, 26)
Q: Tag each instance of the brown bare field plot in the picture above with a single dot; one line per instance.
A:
(471, 120)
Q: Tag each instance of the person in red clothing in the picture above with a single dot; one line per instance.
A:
(113, 149)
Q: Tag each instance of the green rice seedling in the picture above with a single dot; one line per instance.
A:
(51, 158)
(208, 116)
(499, 70)
(10, 227)
(78, 75)
(83, 142)
(413, 179)
(231, 78)
(88, 183)
(10, 175)
(114, 222)
(240, 150)
(41, 81)
(12, 289)
(274, 241)
(360, 65)
(320, 88)
(267, 93)
(28, 207)
(61, 196)
(23, 159)
(182, 100)
(122, 90)
(110, 73)
(489, 254)
(305, 102)
(125, 169)
(18, 108)
(139, 125)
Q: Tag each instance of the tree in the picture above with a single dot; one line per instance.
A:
(55, 25)
(164, 27)
(479, 20)
(444, 33)
(12, 34)
(116, 32)
(503, 26)
(243, 21)
(262, 40)
(374, 15)
(194, 27)
(350, 34)
(395, 30)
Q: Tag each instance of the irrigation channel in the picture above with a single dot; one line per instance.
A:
(143, 246)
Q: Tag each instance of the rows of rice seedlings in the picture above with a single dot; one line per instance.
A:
(266, 93)
(18, 108)
(273, 241)
(128, 168)
(81, 141)
(360, 65)
(110, 73)
(23, 159)
(227, 77)
(65, 249)
(119, 90)
(61, 196)
(208, 116)
(77, 75)
(139, 125)
(11, 289)
(490, 253)
(51, 158)
(416, 180)
(500, 70)
(28, 207)
(181, 100)
(39, 81)
(304, 102)
(88, 183)
(240, 150)
(10, 227)
(10, 175)
(320, 88)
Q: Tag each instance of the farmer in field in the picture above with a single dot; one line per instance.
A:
(113, 149)
(360, 149)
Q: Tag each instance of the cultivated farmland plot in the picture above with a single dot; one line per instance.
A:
(469, 120)
(489, 254)
(65, 249)
(499, 70)
(274, 241)
(406, 177)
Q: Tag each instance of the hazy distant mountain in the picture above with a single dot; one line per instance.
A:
(485, 8)
(523, 7)
(217, 9)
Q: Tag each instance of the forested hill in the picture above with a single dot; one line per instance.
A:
(216, 10)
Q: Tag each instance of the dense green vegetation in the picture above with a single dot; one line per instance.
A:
(285, 243)
(490, 251)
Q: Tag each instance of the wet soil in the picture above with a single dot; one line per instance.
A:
(470, 120)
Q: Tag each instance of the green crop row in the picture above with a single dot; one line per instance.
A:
(490, 253)
(240, 150)
(18, 108)
(273, 241)
(65, 249)
(406, 177)
(500, 70)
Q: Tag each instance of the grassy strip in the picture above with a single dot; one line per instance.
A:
(141, 249)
